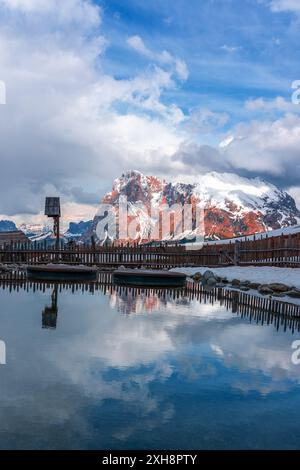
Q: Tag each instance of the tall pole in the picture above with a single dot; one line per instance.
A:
(56, 231)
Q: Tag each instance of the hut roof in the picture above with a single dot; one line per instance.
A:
(16, 236)
(52, 207)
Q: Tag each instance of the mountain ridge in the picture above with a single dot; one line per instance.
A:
(7, 226)
(233, 205)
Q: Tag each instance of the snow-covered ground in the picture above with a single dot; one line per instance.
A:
(260, 274)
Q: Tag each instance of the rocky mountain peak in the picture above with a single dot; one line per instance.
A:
(234, 205)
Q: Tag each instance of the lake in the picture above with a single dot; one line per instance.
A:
(115, 368)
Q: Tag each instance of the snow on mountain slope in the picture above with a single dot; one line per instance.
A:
(36, 232)
(42, 236)
(219, 189)
(40, 232)
(234, 206)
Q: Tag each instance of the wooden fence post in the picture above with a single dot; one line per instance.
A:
(236, 252)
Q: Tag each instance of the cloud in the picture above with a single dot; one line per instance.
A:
(227, 48)
(202, 158)
(68, 124)
(227, 141)
(181, 69)
(295, 193)
(268, 148)
(84, 13)
(139, 46)
(285, 5)
(204, 121)
(163, 57)
(82, 196)
(277, 104)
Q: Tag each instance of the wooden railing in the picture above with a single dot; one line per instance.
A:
(282, 250)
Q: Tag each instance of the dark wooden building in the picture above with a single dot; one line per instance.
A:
(52, 207)
(17, 236)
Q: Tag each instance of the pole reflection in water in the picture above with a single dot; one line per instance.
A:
(49, 315)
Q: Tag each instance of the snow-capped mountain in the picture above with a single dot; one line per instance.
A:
(37, 232)
(7, 226)
(233, 206)
(40, 232)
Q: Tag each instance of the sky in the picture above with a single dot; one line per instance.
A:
(171, 88)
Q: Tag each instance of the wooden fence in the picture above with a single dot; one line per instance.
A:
(282, 250)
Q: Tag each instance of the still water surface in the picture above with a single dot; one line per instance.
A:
(128, 369)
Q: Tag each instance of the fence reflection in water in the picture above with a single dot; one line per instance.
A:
(261, 310)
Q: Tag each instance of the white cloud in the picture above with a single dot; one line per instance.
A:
(181, 69)
(139, 46)
(83, 12)
(227, 48)
(295, 193)
(277, 104)
(28, 5)
(163, 57)
(285, 5)
(227, 141)
(203, 121)
(67, 124)
(268, 147)
(62, 126)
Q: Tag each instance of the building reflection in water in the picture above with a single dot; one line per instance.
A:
(130, 300)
